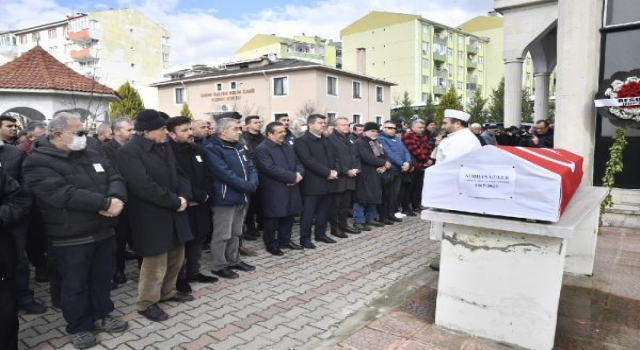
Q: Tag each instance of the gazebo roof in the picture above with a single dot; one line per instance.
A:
(36, 69)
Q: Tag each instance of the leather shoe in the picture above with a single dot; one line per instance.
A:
(387, 222)
(350, 229)
(119, 278)
(394, 219)
(362, 227)
(246, 252)
(181, 297)
(226, 273)
(202, 278)
(275, 251)
(409, 213)
(325, 239)
(375, 223)
(308, 245)
(243, 266)
(154, 313)
(182, 286)
(33, 308)
(338, 233)
(291, 245)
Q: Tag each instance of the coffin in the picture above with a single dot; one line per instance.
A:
(518, 182)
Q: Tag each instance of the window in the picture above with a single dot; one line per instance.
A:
(461, 40)
(34, 37)
(460, 72)
(356, 89)
(23, 39)
(165, 57)
(379, 94)
(378, 119)
(460, 85)
(65, 31)
(179, 95)
(165, 40)
(356, 118)
(460, 55)
(280, 86)
(480, 75)
(424, 97)
(425, 29)
(425, 79)
(480, 59)
(332, 86)
(219, 87)
(425, 63)
(449, 52)
(53, 33)
(425, 47)
(331, 117)
(233, 85)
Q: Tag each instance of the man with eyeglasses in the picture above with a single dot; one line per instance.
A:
(80, 196)
(9, 130)
(543, 135)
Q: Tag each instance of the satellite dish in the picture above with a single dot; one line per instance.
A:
(271, 57)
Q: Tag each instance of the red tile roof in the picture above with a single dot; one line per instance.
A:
(36, 69)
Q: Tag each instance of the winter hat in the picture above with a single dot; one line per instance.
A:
(371, 126)
(149, 119)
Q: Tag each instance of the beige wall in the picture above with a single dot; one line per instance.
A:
(307, 91)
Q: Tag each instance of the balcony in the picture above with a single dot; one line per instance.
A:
(472, 49)
(472, 78)
(439, 90)
(471, 64)
(440, 57)
(440, 73)
(84, 55)
(85, 35)
(442, 40)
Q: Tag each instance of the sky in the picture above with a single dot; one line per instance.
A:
(209, 32)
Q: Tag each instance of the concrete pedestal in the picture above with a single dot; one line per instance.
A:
(501, 278)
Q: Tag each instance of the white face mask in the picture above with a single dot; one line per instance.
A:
(78, 143)
(303, 128)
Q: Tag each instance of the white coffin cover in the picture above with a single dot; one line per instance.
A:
(492, 181)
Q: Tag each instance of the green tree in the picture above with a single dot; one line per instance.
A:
(476, 109)
(405, 111)
(527, 107)
(185, 111)
(429, 109)
(130, 104)
(450, 100)
(551, 115)
(496, 107)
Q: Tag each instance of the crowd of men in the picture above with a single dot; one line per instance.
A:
(162, 190)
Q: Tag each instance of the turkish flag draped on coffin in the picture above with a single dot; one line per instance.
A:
(519, 182)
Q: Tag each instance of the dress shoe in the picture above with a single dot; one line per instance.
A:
(33, 308)
(291, 246)
(200, 278)
(182, 286)
(308, 245)
(362, 227)
(325, 239)
(388, 222)
(120, 278)
(409, 213)
(226, 273)
(394, 219)
(338, 233)
(375, 223)
(275, 251)
(154, 313)
(243, 266)
(350, 229)
(181, 297)
(246, 252)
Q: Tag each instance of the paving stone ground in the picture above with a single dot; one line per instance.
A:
(289, 302)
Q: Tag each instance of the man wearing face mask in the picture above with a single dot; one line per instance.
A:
(80, 196)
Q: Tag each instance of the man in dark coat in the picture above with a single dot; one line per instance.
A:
(122, 133)
(374, 165)
(158, 198)
(14, 207)
(342, 188)
(280, 173)
(252, 138)
(285, 120)
(190, 159)
(235, 179)
(318, 158)
(80, 196)
(8, 130)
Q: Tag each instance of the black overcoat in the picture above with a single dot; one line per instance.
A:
(154, 189)
(348, 158)
(190, 159)
(369, 181)
(277, 166)
(318, 158)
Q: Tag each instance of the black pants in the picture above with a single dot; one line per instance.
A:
(340, 204)
(192, 255)
(123, 237)
(8, 302)
(412, 191)
(390, 192)
(36, 240)
(86, 285)
(314, 207)
(254, 218)
(277, 231)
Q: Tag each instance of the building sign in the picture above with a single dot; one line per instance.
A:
(487, 181)
(233, 95)
(618, 99)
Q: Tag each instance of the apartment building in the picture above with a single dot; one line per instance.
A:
(307, 48)
(111, 46)
(268, 87)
